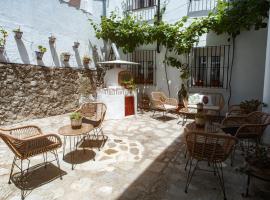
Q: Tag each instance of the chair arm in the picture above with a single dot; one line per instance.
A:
(233, 120)
(251, 128)
(157, 104)
(171, 101)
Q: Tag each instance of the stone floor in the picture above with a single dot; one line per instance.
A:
(143, 158)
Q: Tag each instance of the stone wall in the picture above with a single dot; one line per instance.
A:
(29, 91)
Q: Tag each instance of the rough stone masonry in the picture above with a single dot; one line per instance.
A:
(30, 91)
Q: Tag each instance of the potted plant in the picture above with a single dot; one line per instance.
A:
(18, 33)
(252, 105)
(200, 117)
(66, 56)
(86, 60)
(76, 120)
(76, 45)
(3, 37)
(40, 52)
(52, 39)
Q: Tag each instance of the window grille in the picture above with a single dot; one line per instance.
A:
(203, 5)
(140, 4)
(209, 66)
(145, 73)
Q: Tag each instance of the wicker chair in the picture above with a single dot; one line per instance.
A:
(209, 147)
(246, 128)
(94, 113)
(29, 141)
(162, 103)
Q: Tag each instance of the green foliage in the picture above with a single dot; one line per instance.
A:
(251, 105)
(42, 49)
(17, 30)
(229, 17)
(236, 16)
(75, 115)
(184, 70)
(3, 36)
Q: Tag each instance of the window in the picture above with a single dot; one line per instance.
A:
(145, 72)
(209, 66)
(139, 4)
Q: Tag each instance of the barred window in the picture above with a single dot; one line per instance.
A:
(145, 73)
(209, 66)
(139, 4)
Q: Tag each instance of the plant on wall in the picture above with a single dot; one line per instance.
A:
(86, 60)
(3, 37)
(65, 56)
(18, 33)
(40, 52)
(52, 39)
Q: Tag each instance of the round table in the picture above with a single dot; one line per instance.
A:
(74, 134)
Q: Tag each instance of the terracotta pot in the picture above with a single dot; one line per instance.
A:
(76, 45)
(18, 34)
(76, 123)
(39, 55)
(2, 49)
(86, 61)
(52, 39)
(66, 57)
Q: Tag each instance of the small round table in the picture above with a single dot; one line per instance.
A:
(209, 128)
(75, 134)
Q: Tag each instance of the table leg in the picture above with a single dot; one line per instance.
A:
(71, 153)
(64, 147)
(248, 183)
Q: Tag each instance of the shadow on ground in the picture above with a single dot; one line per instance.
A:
(35, 177)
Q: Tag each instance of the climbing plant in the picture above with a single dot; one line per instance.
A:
(228, 17)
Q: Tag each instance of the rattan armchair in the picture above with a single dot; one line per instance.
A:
(162, 103)
(250, 126)
(246, 128)
(209, 147)
(94, 113)
(29, 141)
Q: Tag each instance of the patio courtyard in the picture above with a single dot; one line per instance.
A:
(134, 100)
(143, 158)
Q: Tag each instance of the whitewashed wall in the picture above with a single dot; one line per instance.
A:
(266, 92)
(249, 63)
(38, 19)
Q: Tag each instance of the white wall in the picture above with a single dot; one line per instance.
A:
(38, 19)
(248, 69)
(266, 91)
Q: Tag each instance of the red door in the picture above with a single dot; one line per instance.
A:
(129, 105)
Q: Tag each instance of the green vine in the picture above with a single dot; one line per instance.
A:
(3, 36)
(228, 17)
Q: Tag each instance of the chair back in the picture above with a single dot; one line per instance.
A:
(94, 111)
(158, 96)
(258, 117)
(212, 147)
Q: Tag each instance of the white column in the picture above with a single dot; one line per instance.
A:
(266, 91)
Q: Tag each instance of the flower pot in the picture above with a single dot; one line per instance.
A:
(2, 49)
(39, 55)
(52, 39)
(199, 83)
(18, 34)
(76, 123)
(86, 61)
(66, 57)
(200, 121)
(76, 45)
(215, 83)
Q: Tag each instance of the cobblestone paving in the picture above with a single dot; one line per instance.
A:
(143, 158)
